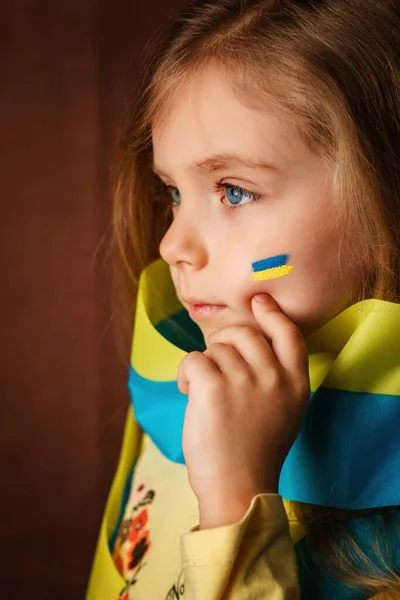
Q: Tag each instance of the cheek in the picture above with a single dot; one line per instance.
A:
(174, 276)
(244, 280)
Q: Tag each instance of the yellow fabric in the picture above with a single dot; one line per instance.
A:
(147, 342)
(105, 581)
(380, 322)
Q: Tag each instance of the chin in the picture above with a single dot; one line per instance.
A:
(206, 329)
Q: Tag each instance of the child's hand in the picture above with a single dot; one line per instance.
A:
(246, 404)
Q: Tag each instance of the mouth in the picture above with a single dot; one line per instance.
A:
(198, 309)
(204, 311)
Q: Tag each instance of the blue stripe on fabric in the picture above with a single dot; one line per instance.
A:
(346, 455)
(270, 263)
(160, 410)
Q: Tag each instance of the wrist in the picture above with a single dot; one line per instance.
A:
(229, 511)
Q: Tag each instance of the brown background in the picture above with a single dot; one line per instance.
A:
(66, 68)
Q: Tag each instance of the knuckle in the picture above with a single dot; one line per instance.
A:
(250, 335)
(250, 331)
(192, 356)
(215, 349)
(244, 378)
(188, 363)
(295, 332)
(273, 379)
(215, 385)
(220, 333)
(219, 346)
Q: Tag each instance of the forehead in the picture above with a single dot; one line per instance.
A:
(209, 115)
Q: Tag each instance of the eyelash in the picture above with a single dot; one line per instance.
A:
(223, 186)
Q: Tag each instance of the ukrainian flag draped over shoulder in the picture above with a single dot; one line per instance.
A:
(347, 454)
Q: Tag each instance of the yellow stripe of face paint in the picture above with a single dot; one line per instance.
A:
(273, 273)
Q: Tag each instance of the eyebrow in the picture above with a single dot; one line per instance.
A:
(219, 162)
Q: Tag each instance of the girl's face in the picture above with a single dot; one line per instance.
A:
(245, 188)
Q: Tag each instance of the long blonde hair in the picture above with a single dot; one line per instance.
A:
(332, 68)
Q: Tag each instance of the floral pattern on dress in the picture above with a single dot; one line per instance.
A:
(133, 539)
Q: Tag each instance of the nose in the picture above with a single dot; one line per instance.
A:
(184, 242)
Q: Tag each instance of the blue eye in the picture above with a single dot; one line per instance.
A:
(237, 196)
(176, 197)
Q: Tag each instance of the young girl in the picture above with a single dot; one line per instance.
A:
(262, 456)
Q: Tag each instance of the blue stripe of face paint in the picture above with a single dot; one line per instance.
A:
(270, 263)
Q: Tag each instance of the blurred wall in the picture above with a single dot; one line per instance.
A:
(66, 68)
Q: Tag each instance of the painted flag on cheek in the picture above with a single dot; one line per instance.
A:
(271, 268)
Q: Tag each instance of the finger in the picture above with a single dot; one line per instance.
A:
(287, 340)
(196, 367)
(227, 359)
(248, 342)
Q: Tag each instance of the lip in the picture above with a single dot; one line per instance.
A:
(193, 300)
(204, 311)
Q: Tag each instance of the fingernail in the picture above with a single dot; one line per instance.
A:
(263, 298)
